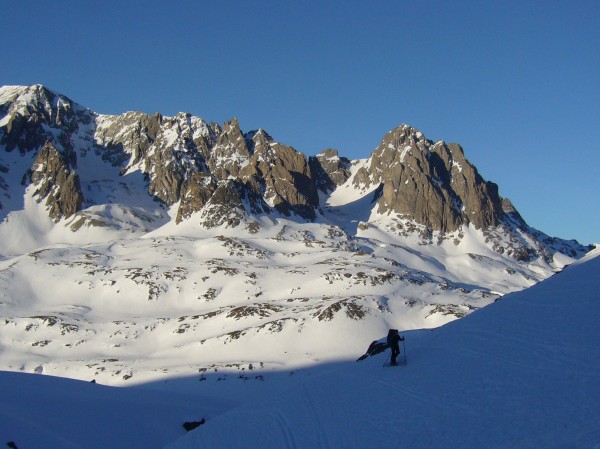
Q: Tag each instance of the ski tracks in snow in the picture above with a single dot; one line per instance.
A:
(286, 429)
(407, 392)
(314, 416)
(307, 425)
(423, 399)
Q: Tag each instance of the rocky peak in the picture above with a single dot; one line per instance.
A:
(126, 138)
(433, 184)
(257, 138)
(404, 146)
(480, 201)
(196, 191)
(207, 168)
(511, 212)
(37, 114)
(283, 175)
(57, 183)
(230, 153)
(232, 203)
(329, 170)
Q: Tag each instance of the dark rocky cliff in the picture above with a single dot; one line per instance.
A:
(207, 169)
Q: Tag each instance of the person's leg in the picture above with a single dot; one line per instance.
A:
(395, 352)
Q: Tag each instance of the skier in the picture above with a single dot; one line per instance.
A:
(394, 339)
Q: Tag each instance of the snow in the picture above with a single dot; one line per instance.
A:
(406, 150)
(177, 297)
(348, 205)
(257, 329)
(523, 372)
(10, 93)
(48, 412)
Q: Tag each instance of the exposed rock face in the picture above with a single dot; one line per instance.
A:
(481, 203)
(329, 170)
(431, 183)
(195, 193)
(184, 158)
(227, 205)
(231, 152)
(510, 211)
(283, 174)
(127, 137)
(169, 150)
(56, 183)
(228, 177)
(31, 118)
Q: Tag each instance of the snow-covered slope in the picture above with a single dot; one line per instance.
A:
(141, 309)
(138, 249)
(521, 373)
(138, 246)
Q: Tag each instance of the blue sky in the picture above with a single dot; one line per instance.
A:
(516, 83)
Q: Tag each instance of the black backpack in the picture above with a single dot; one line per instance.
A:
(391, 336)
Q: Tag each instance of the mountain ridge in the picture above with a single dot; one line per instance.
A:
(133, 240)
(186, 160)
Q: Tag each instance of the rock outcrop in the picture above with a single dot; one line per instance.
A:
(40, 115)
(221, 175)
(329, 170)
(232, 202)
(231, 153)
(55, 182)
(430, 183)
(283, 175)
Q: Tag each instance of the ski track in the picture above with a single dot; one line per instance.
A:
(436, 403)
(285, 428)
(529, 348)
(411, 394)
(313, 413)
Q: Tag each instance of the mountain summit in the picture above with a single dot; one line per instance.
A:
(134, 241)
(78, 163)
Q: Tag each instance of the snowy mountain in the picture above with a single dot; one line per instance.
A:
(136, 247)
(520, 373)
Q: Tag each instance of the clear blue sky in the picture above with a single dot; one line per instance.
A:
(516, 83)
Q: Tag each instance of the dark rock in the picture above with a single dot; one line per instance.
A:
(433, 184)
(512, 213)
(227, 205)
(127, 137)
(195, 193)
(227, 176)
(283, 174)
(230, 152)
(329, 170)
(57, 183)
(45, 116)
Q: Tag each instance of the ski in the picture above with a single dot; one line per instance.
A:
(403, 363)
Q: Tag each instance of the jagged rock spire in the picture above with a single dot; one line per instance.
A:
(432, 183)
(55, 182)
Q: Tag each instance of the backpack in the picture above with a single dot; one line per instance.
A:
(391, 336)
